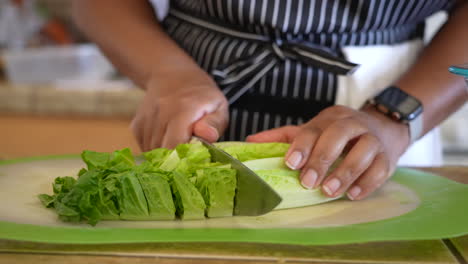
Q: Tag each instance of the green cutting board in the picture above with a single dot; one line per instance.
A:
(441, 213)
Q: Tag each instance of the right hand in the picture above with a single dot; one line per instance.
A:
(174, 109)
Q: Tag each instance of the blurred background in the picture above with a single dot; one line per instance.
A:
(60, 95)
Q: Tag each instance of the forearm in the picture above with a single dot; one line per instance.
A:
(440, 92)
(129, 34)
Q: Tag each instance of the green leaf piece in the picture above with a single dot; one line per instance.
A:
(157, 156)
(188, 201)
(251, 151)
(132, 201)
(170, 162)
(218, 188)
(158, 195)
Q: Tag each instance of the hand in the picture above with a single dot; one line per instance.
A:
(176, 108)
(370, 142)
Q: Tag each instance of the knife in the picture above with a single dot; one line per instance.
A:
(253, 195)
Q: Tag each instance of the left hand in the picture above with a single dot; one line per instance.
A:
(371, 142)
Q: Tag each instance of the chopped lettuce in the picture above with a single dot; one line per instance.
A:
(106, 202)
(184, 182)
(195, 153)
(217, 186)
(193, 157)
(158, 195)
(157, 156)
(72, 199)
(170, 162)
(132, 201)
(188, 201)
(95, 160)
(120, 160)
(97, 199)
(61, 186)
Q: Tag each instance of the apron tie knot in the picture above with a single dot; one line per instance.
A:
(237, 76)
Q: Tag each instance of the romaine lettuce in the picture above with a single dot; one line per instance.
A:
(188, 201)
(170, 162)
(132, 201)
(183, 182)
(157, 156)
(217, 186)
(120, 160)
(253, 151)
(286, 183)
(158, 195)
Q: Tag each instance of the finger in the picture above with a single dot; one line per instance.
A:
(154, 131)
(284, 134)
(301, 146)
(137, 129)
(371, 179)
(157, 134)
(328, 148)
(305, 140)
(358, 160)
(287, 134)
(179, 130)
(148, 131)
(336, 112)
(212, 125)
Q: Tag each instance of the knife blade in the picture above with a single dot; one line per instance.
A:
(253, 195)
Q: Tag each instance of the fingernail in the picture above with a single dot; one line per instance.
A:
(354, 192)
(332, 186)
(309, 179)
(214, 132)
(294, 160)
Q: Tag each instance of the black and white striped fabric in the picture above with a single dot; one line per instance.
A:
(277, 61)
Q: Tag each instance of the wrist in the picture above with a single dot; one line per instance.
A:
(393, 132)
(191, 79)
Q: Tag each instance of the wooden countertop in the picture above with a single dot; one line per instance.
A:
(39, 135)
(31, 136)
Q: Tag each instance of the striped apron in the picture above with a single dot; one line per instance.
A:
(279, 61)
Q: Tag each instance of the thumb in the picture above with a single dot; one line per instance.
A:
(212, 125)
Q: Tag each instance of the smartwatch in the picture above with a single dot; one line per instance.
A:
(401, 107)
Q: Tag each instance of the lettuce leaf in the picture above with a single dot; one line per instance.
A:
(158, 195)
(266, 164)
(157, 156)
(183, 182)
(72, 204)
(170, 162)
(132, 201)
(287, 184)
(188, 201)
(107, 202)
(253, 151)
(195, 153)
(193, 156)
(122, 160)
(118, 161)
(218, 188)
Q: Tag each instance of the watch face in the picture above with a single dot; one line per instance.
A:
(408, 107)
(397, 101)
